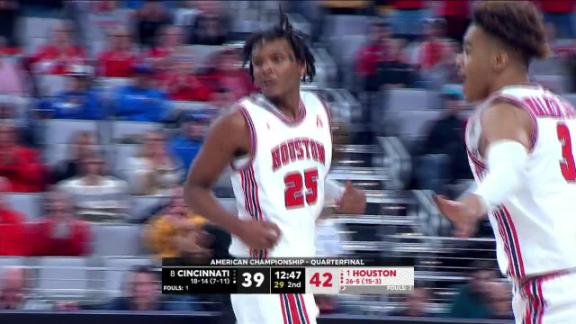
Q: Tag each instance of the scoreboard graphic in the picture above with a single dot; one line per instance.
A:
(288, 276)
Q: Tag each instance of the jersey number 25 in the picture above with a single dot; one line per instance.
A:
(301, 188)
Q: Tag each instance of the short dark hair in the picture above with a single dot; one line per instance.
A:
(518, 24)
(296, 40)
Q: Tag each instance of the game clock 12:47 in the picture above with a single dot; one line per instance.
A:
(288, 280)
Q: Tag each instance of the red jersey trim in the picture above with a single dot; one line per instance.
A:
(519, 104)
(268, 106)
(253, 141)
(330, 124)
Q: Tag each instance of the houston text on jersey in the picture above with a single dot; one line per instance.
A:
(297, 149)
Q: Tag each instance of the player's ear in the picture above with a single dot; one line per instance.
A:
(303, 67)
(500, 59)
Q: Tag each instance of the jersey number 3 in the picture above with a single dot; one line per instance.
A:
(567, 163)
(295, 195)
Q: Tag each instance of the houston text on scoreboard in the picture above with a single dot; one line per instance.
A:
(373, 272)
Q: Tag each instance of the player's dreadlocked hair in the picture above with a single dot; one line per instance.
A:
(518, 24)
(296, 40)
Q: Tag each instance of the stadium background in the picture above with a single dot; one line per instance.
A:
(103, 107)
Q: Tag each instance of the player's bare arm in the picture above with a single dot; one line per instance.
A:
(227, 139)
(347, 199)
(505, 145)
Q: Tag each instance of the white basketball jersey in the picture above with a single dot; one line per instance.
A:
(535, 228)
(283, 182)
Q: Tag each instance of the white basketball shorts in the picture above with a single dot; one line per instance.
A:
(274, 309)
(548, 299)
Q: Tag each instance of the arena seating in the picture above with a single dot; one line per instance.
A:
(65, 278)
(114, 239)
(61, 131)
(29, 204)
(399, 223)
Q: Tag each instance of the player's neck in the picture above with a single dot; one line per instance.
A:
(289, 104)
(509, 79)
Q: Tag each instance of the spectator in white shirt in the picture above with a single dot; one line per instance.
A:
(97, 197)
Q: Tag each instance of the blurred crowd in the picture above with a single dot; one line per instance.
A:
(484, 296)
(145, 47)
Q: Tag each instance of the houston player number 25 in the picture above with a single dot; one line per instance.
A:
(301, 188)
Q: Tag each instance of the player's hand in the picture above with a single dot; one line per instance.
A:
(464, 214)
(353, 200)
(259, 234)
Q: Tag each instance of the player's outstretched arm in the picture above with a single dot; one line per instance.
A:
(228, 137)
(506, 131)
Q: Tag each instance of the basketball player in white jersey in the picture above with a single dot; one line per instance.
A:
(279, 145)
(520, 149)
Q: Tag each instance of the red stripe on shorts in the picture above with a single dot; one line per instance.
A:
(293, 309)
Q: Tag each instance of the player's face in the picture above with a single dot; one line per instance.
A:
(276, 70)
(474, 64)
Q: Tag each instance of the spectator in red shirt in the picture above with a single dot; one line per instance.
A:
(394, 72)
(222, 100)
(374, 52)
(19, 165)
(169, 45)
(228, 74)
(118, 59)
(430, 52)
(182, 84)
(58, 54)
(12, 227)
(60, 233)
